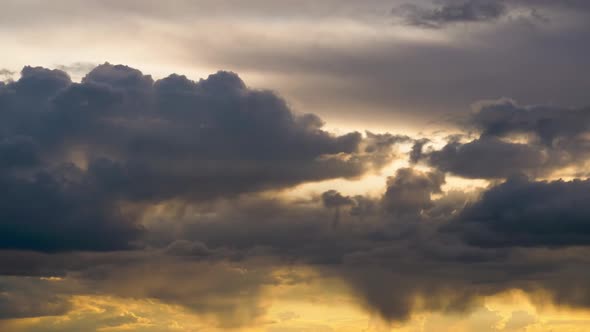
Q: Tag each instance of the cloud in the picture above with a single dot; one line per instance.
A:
(52, 212)
(75, 153)
(364, 63)
(443, 13)
(229, 295)
(217, 259)
(126, 186)
(513, 139)
(399, 262)
(5, 74)
(16, 296)
(452, 12)
(18, 151)
(486, 158)
(520, 212)
(410, 191)
(548, 124)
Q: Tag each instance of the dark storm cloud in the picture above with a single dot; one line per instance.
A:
(553, 138)
(332, 198)
(550, 125)
(18, 151)
(410, 191)
(185, 271)
(399, 261)
(121, 115)
(397, 264)
(486, 158)
(48, 212)
(520, 212)
(452, 11)
(305, 229)
(83, 163)
(216, 258)
(74, 153)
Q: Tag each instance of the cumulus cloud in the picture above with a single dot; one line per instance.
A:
(410, 191)
(548, 124)
(73, 153)
(513, 139)
(486, 158)
(48, 212)
(520, 212)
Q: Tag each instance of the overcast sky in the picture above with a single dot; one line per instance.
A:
(294, 166)
(400, 64)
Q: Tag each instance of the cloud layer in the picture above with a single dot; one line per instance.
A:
(124, 186)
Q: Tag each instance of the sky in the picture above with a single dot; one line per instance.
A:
(294, 166)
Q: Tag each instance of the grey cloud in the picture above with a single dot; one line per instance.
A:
(228, 293)
(299, 233)
(78, 153)
(578, 5)
(418, 150)
(332, 198)
(331, 71)
(393, 81)
(524, 213)
(39, 82)
(442, 13)
(305, 230)
(29, 298)
(74, 153)
(486, 158)
(52, 212)
(36, 284)
(18, 151)
(6, 74)
(549, 124)
(392, 77)
(335, 200)
(554, 138)
(401, 263)
(452, 11)
(396, 264)
(410, 191)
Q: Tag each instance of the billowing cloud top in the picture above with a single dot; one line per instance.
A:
(71, 153)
